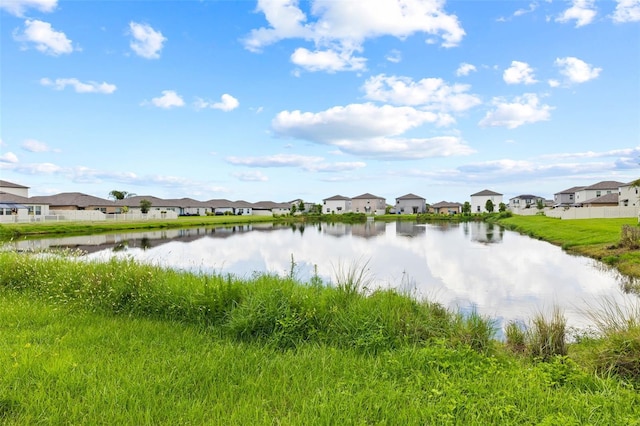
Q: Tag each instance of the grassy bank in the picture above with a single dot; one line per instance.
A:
(122, 343)
(600, 239)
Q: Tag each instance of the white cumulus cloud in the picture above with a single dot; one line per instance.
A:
(252, 176)
(146, 41)
(582, 11)
(227, 103)
(576, 70)
(78, 86)
(19, 7)
(465, 69)
(338, 28)
(44, 37)
(8, 157)
(33, 145)
(525, 109)
(519, 73)
(430, 93)
(626, 11)
(169, 99)
(370, 130)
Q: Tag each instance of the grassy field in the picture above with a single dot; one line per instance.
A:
(596, 238)
(122, 343)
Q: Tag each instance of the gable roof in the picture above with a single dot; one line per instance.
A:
(77, 199)
(484, 192)
(366, 195)
(571, 190)
(604, 199)
(337, 198)
(7, 184)
(605, 184)
(410, 197)
(527, 197)
(6, 197)
(444, 204)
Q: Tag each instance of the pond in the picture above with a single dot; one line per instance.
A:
(473, 265)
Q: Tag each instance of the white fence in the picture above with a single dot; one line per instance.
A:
(585, 212)
(87, 215)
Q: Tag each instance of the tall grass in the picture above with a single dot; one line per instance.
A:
(543, 339)
(618, 349)
(278, 311)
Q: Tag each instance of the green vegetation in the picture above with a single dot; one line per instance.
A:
(124, 343)
(613, 241)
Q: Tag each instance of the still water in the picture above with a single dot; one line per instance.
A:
(463, 266)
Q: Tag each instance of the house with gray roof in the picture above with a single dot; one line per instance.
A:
(567, 197)
(75, 201)
(525, 201)
(337, 204)
(607, 200)
(14, 188)
(479, 200)
(368, 204)
(446, 207)
(597, 190)
(410, 204)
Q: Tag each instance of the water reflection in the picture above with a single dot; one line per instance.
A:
(505, 275)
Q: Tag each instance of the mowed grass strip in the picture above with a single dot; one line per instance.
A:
(64, 366)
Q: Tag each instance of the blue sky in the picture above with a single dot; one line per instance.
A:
(277, 100)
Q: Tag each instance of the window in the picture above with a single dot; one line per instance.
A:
(598, 193)
(38, 210)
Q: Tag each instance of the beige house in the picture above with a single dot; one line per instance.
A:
(597, 190)
(446, 207)
(368, 204)
(75, 201)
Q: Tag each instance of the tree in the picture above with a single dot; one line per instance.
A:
(466, 208)
(145, 205)
(294, 209)
(488, 206)
(539, 204)
(301, 206)
(502, 207)
(120, 195)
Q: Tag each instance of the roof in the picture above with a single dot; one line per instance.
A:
(605, 199)
(443, 204)
(605, 184)
(484, 192)
(70, 199)
(632, 183)
(410, 197)
(337, 198)
(6, 197)
(270, 205)
(571, 190)
(366, 195)
(7, 184)
(527, 197)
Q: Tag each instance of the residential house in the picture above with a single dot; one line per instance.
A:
(629, 195)
(369, 204)
(12, 207)
(567, 197)
(446, 207)
(337, 204)
(220, 206)
(525, 201)
(14, 188)
(75, 201)
(308, 207)
(410, 204)
(479, 200)
(132, 204)
(242, 208)
(597, 190)
(269, 208)
(607, 200)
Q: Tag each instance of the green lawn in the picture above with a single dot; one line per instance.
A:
(597, 238)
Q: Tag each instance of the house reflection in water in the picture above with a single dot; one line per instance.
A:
(482, 232)
(409, 229)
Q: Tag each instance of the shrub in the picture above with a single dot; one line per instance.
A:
(630, 237)
(547, 336)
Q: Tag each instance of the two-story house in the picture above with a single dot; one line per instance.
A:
(567, 197)
(597, 190)
(479, 200)
(337, 204)
(368, 204)
(410, 204)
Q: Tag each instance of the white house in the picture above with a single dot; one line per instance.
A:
(336, 204)
(14, 188)
(597, 190)
(524, 201)
(628, 195)
(479, 200)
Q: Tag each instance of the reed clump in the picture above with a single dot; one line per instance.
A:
(543, 339)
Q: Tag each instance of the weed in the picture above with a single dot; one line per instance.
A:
(547, 336)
